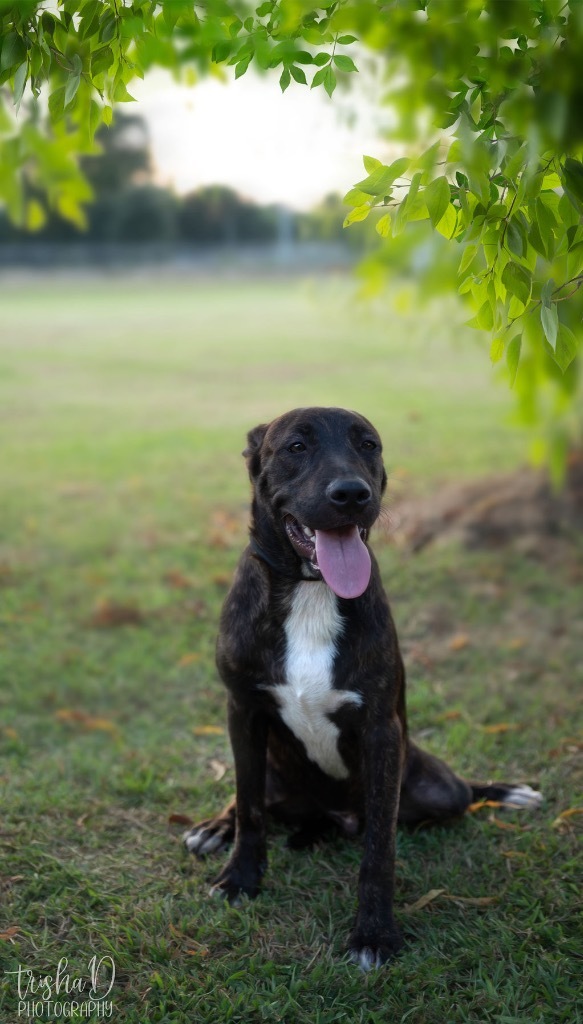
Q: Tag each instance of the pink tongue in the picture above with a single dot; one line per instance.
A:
(343, 560)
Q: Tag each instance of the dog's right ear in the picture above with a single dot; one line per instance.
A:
(253, 450)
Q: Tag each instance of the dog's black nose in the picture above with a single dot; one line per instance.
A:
(351, 492)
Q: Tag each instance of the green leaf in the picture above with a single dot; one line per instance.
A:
(57, 103)
(330, 80)
(13, 51)
(221, 51)
(469, 254)
(344, 63)
(19, 84)
(573, 177)
(355, 197)
(108, 27)
(346, 40)
(303, 57)
(448, 222)
(383, 226)
(284, 79)
(513, 357)
(298, 75)
(359, 213)
(89, 23)
(371, 163)
(549, 318)
(436, 197)
(242, 65)
(547, 222)
(383, 177)
(485, 317)
(101, 60)
(319, 77)
(566, 348)
(35, 216)
(534, 237)
(515, 239)
(107, 115)
(518, 281)
(71, 88)
(497, 349)
(121, 95)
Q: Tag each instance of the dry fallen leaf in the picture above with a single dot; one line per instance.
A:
(516, 644)
(433, 894)
(472, 901)
(218, 769)
(110, 614)
(483, 803)
(208, 730)
(459, 641)
(449, 716)
(177, 579)
(86, 721)
(179, 819)
(568, 745)
(500, 727)
(564, 817)
(423, 900)
(507, 825)
(189, 659)
(514, 855)
(9, 933)
(11, 734)
(222, 580)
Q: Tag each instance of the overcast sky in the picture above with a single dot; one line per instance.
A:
(293, 147)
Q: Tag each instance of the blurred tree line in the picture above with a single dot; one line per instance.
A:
(129, 207)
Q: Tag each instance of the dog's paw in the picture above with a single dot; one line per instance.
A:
(211, 836)
(368, 950)
(522, 796)
(236, 880)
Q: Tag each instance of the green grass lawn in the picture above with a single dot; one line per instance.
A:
(123, 410)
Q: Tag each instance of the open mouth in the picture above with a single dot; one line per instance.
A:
(340, 556)
(303, 539)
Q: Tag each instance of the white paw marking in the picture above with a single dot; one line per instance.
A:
(203, 842)
(307, 698)
(192, 839)
(522, 796)
(366, 959)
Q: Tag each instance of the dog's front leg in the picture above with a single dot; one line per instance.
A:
(248, 861)
(375, 936)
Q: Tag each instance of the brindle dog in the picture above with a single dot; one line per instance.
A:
(316, 687)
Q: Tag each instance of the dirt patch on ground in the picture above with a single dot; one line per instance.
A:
(520, 508)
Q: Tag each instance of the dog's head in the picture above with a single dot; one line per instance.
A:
(318, 479)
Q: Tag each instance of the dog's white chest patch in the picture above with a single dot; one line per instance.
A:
(307, 698)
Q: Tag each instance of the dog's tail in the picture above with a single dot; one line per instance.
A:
(508, 795)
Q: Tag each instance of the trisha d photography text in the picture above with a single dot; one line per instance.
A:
(64, 994)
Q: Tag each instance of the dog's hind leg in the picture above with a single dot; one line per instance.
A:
(213, 834)
(431, 791)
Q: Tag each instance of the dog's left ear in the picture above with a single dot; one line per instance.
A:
(253, 449)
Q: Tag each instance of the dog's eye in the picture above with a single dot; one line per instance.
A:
(297, 446)
(369, 446)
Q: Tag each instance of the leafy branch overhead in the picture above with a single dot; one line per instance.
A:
(487, 94)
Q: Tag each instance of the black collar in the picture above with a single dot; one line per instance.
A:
(278, 567)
